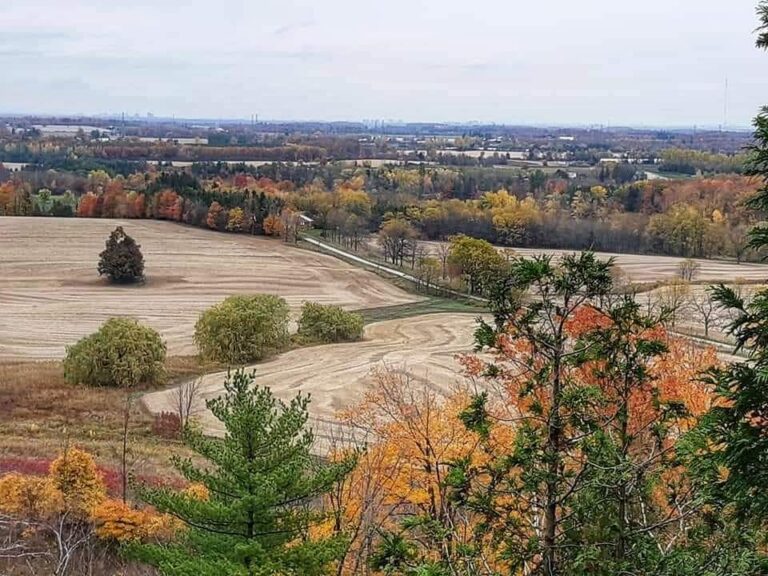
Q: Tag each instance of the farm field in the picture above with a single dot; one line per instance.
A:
(337, 375)
(51, 293)
(646, 268)
(650, 268)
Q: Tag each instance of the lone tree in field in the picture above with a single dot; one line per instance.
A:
(263, 488)
(688, 269)
(122, 261)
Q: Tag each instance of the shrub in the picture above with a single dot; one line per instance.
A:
(320, 323)
(242, 329)
(167, 425)
(121, 261)
(75, 475)
(121, 353)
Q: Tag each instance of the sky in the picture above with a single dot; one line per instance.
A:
(533, 62)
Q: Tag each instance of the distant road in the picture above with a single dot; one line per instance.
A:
(387, 269)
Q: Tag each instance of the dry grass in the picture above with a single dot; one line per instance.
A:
(40, 414)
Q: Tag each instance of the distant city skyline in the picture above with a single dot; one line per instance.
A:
(653, 64)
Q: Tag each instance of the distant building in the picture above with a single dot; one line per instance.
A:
(305, 221)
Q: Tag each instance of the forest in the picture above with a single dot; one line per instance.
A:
(704, 217)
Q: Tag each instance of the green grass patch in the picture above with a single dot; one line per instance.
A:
(432, 305)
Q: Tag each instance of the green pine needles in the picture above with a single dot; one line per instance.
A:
(266, 490)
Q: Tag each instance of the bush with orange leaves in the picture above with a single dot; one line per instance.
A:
(118, 521)
(273, 225)
(74, 494)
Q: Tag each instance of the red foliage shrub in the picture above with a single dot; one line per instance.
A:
(167, 425)
(27, 466)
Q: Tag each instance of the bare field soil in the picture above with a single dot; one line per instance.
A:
(647, 268)
(51, 294)
(640, 267)
(337, 375)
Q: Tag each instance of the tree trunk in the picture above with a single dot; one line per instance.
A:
(554, 439)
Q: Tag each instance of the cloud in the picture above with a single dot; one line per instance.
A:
(651, 62)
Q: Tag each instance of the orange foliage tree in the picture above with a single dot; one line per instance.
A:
(405, 479)
(169, 205)
(273, 225)
(88, 205)
(597, 398)
(217, 217)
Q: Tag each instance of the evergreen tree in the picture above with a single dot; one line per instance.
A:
(264, 490)
(121, 261)
(739, 425)
(728, 452)
(556, 417)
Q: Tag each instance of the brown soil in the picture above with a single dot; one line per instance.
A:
(51, 294)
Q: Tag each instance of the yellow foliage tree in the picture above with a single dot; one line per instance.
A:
(236, 220)
(75, 475)
(416, 437)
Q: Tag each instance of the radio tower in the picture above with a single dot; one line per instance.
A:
(725, 105)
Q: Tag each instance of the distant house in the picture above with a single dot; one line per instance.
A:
(305, 221)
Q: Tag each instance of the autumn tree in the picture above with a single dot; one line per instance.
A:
(262, 480)
(243, 329)
(273, 225)
(63, 520)
(474, 259)
(56, 507)
(636, 500)
(168, 205)
(597, 397)
(121, 261)
(87, 207)
(236, 220)
(396, 237)
(217, 217)
(404, 506)
(554, 418)
(121, 353)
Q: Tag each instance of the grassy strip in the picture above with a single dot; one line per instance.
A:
(431, 305)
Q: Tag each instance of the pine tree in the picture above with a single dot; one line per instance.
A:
(739, 424)
(728, 451)
(121, 261)
(264, 488)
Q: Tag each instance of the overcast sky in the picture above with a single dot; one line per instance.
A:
(638, 62)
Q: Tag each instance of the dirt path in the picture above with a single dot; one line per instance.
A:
(51, 294)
